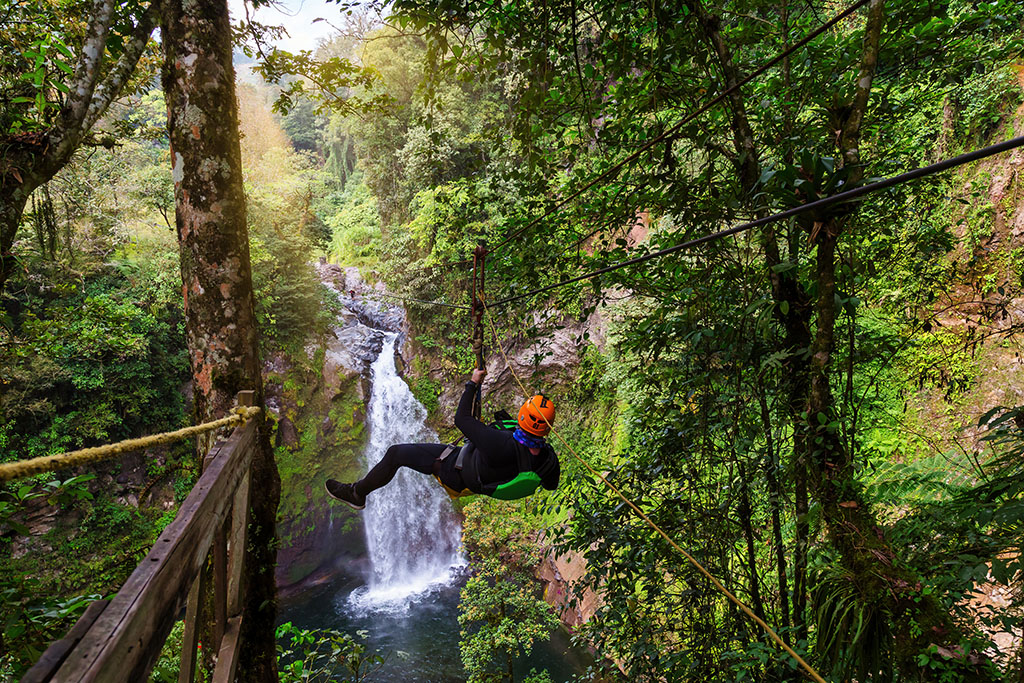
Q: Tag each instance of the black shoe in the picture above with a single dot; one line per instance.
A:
(346, 493)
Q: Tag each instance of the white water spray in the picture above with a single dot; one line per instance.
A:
(411, 533)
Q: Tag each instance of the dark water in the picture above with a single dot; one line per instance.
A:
(427, 631)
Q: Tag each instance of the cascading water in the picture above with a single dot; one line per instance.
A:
(411, 534)
(406, 600)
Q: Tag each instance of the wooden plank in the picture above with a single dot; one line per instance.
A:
(239, 541)
(227, 656)
(55, 655)
(190, 641)
(220, 582)
(125, 641)
(189, 658)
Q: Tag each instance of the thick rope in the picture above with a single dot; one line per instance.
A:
(52, 463)
(697, 565)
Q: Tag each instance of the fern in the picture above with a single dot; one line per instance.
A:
(928, 480)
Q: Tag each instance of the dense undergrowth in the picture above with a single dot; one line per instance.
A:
(848, 462)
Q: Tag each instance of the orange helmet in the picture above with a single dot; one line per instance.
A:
(536, 415)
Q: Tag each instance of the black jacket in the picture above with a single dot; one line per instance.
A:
(496, 454)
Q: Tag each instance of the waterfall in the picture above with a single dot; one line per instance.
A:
(411, 533)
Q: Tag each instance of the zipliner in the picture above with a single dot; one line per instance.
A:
(496, 462)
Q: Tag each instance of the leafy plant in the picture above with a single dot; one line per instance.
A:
(30, 624)
(499, 610)
(319, 656)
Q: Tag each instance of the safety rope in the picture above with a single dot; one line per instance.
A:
(693, 561)
(52, 463)
(479, 258)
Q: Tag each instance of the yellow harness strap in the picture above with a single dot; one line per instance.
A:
(452, 493)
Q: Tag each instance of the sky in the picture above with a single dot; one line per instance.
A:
(297, 17)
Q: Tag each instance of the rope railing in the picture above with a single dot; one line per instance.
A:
(52, 463)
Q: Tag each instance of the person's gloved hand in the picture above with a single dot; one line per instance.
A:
(478, 376)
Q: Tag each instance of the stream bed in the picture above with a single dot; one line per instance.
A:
(427, 631)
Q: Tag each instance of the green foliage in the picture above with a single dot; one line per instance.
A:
(355, 226)
(304, 125)
(92, 362)
(168, 666)
(28, 625)
(285, 231)
(855, 635)
(39, 50)
(46, 592)
(499, 611)
(332, 78)
(319, 656)
(981, 102)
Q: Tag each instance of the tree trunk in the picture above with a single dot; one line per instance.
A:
(216, 276)
(25, 166)
(12, 206)
(745, 513)
(771, 471)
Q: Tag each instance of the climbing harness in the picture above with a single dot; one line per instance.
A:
(460, 458)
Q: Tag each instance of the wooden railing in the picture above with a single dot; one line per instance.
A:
(120, 639)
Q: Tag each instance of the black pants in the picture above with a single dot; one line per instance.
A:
(417, 456)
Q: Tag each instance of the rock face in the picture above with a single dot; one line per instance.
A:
(542, 365)
(320, 409)
(559, 573)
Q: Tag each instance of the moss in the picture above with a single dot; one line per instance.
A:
(328, 447)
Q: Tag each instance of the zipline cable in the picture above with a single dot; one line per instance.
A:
(417, 301)
(690, 558)
(689, 118)
(922, 172)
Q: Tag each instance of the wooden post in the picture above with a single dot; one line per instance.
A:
(239, 538)
(190, 641)
(220, 584)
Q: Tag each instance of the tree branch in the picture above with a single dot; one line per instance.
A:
(849, 138)
(88, 69)
(112, 85)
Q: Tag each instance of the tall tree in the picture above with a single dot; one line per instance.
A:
(199, 85)
(49, 109)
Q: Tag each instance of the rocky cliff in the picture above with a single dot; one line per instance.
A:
(320, 407)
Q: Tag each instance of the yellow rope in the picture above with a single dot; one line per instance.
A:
(50, 463)
(697, 565)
